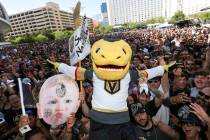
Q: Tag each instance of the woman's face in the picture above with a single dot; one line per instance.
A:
(190, 130)
(180, 82)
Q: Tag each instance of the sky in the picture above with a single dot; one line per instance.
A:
(90, 7)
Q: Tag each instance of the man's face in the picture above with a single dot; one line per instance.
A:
(88, 89)
(4, 127)
(38, 136)
(143, 98)
(189, 65)
(141, 118)
(180, 82)
(154, 84)
(14, 101)
(201, 81)
(177, 71)
(190, 130)
(58, 101)
(136, 61)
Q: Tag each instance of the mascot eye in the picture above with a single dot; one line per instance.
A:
(118, 57)
(124, 50)
(97, 50)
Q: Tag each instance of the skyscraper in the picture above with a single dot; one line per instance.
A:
(126, 11)
(104, 13)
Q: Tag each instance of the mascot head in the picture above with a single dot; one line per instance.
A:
(111, 60)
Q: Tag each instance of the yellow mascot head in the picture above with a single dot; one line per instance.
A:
(111, 60)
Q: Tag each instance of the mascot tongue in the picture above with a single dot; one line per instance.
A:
(111, 60)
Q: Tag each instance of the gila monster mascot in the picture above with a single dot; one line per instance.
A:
(111, 77)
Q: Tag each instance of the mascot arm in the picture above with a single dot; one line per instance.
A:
(153, 72)
(150, 73)
(76, 73)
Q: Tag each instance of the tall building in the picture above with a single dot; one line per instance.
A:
(49, 17)
(188, 7)
(104, 13)
(194, 6)
(4, 23)
(126, 11)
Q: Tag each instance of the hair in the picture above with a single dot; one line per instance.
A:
(201, 72)
(32, 133)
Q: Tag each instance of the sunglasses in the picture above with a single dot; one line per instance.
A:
(203, 94)
(153, 81)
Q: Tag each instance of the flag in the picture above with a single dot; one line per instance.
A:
(27, 96)
(79, 43)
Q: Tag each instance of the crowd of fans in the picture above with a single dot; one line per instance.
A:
(176, 106)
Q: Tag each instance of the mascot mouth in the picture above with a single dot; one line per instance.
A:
(110, 67)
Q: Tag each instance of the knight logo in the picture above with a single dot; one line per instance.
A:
(112, 87)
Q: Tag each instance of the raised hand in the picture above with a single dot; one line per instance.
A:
(200, 113)
(155, 120)
(181, 98)
(24, 120)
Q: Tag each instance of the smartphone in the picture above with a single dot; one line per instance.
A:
(24, 129)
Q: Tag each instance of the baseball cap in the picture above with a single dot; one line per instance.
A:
(136, 108)
(192, 119)
(157, 78)
(26, 81)
(175, 66)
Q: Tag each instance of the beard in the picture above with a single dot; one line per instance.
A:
(144, 125)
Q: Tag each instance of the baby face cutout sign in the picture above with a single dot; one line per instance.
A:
(58, 98)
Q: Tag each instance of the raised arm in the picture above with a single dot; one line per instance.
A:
(202, 115)
(206, 65)
(156, 71)
(165, 128)
(76, 73)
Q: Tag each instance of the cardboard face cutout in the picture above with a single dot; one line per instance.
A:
(58, 98)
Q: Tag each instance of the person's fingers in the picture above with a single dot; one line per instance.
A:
(198, 115)
(186, 99)
(196, 107)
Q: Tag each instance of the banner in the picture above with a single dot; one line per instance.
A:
(79, 43)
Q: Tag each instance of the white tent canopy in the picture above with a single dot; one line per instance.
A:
(164, 25)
